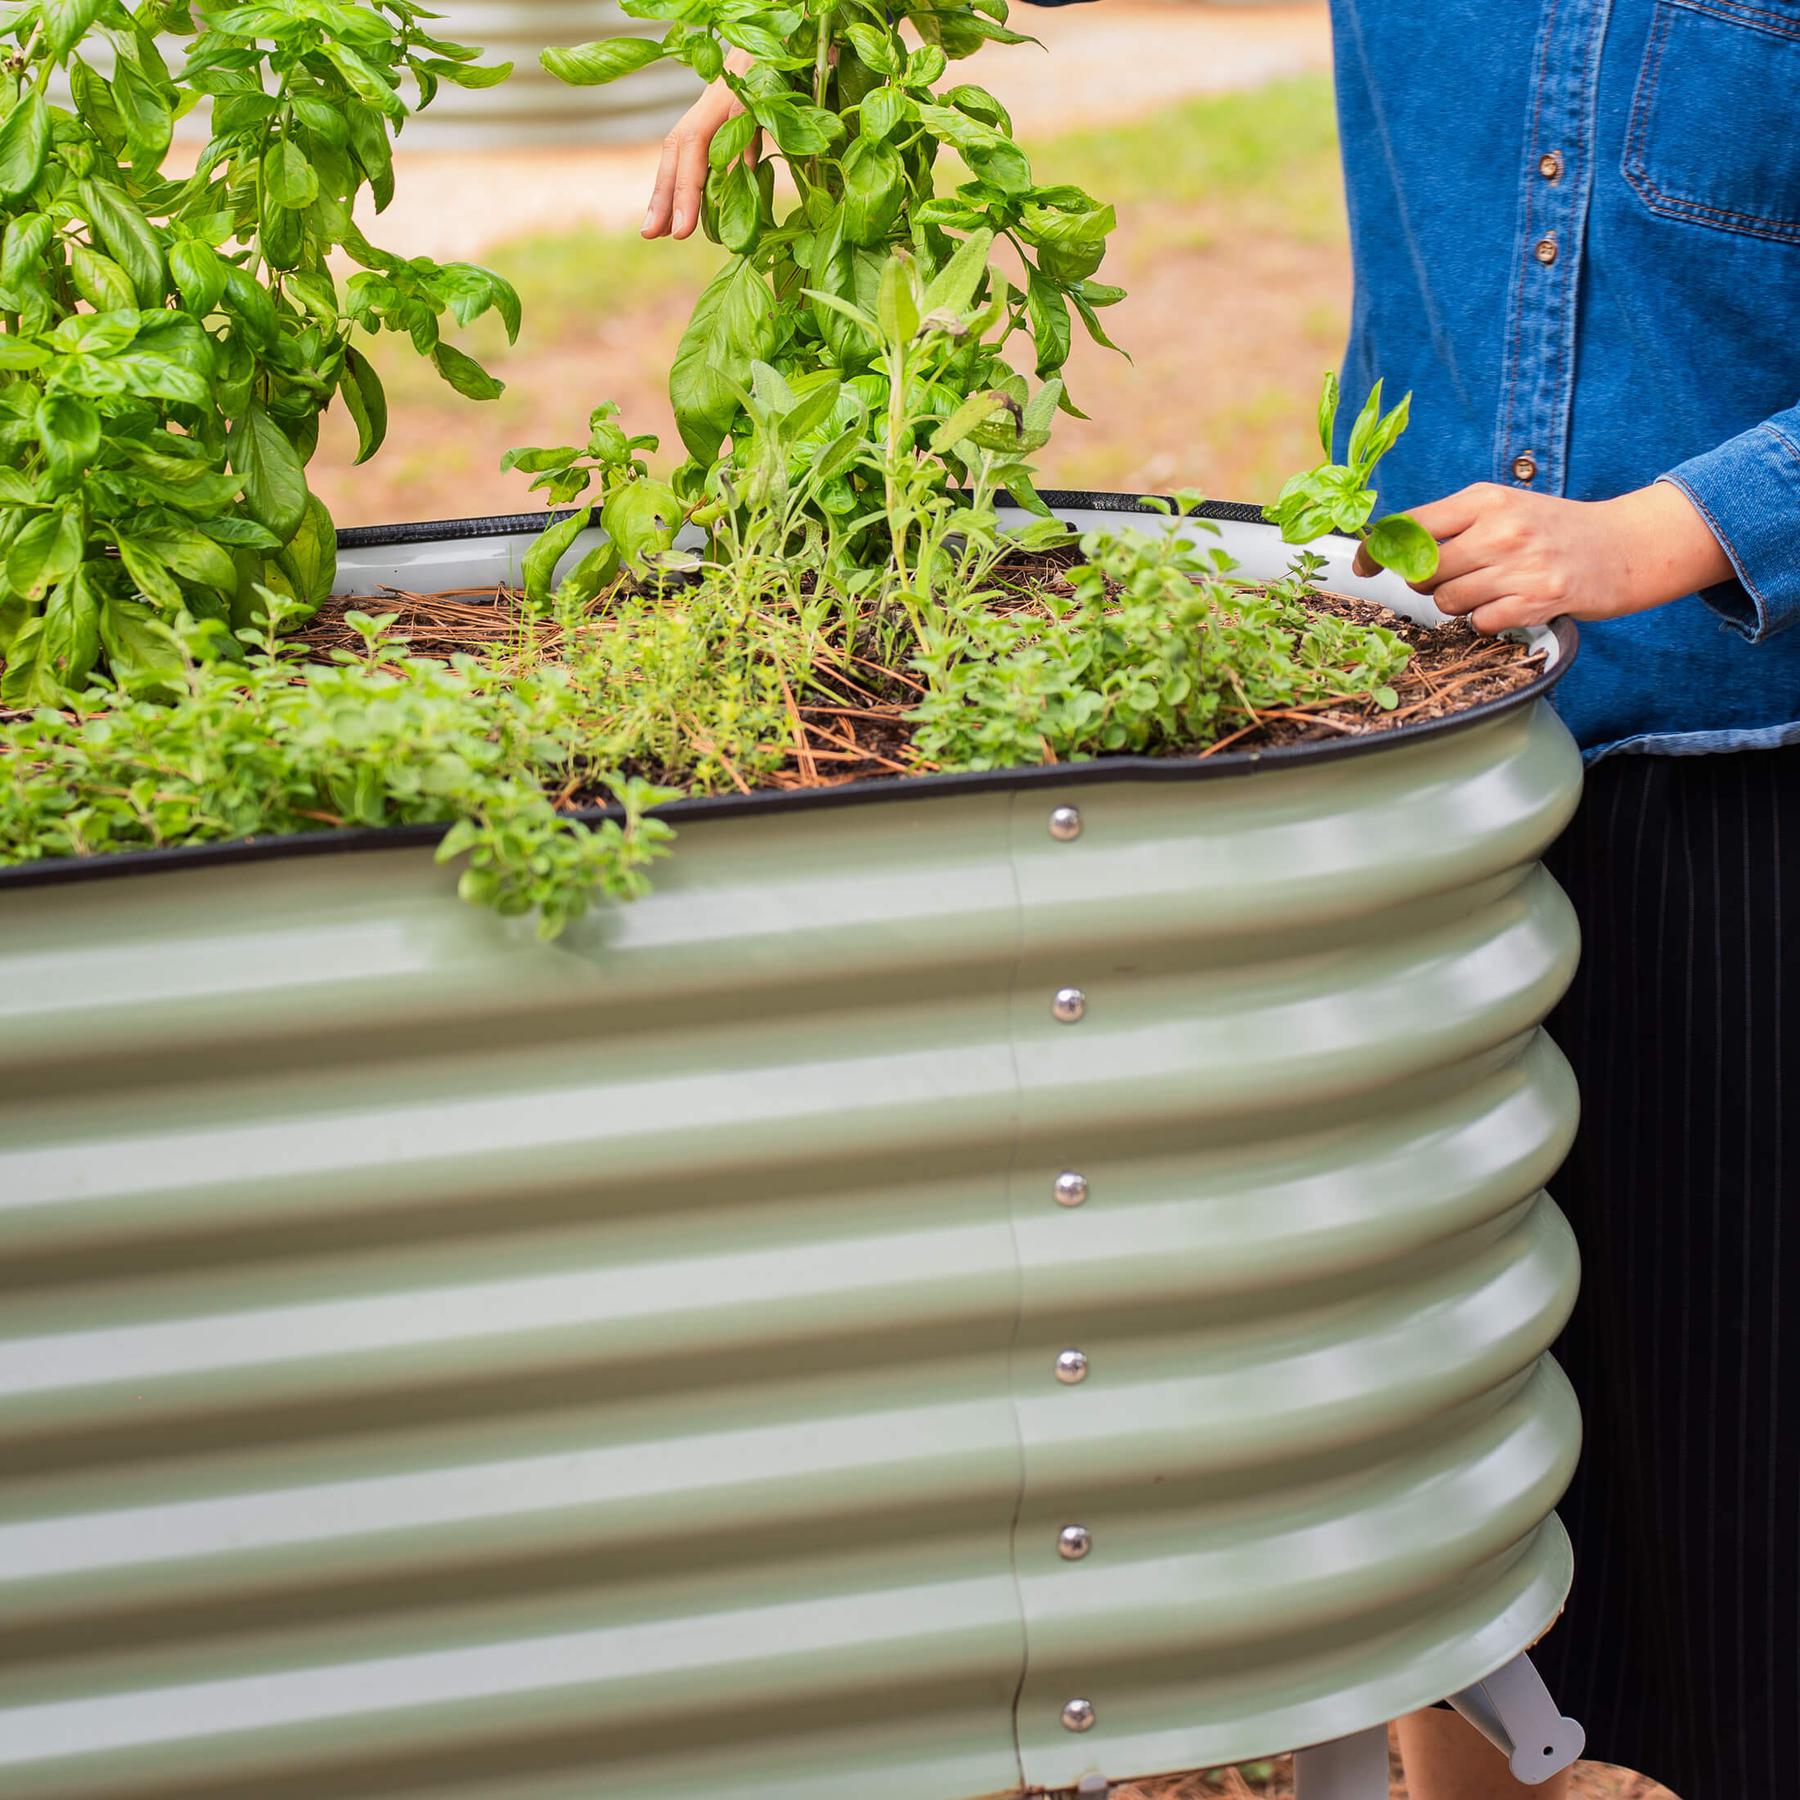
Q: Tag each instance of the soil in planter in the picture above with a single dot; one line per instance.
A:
(1451, 668)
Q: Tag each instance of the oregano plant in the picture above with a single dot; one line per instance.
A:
(169, 342)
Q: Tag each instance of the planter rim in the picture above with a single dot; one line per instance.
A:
(101, 866)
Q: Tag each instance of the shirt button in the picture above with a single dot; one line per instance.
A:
(1524, 465)
(1545, 249)
(1550, 164)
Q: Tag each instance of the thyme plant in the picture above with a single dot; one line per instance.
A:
(169, 343)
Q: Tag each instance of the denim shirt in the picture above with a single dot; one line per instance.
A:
(1575, 227)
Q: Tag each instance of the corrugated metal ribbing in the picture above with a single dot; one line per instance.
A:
(433, 1362)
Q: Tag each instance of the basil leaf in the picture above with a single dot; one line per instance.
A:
(732, 324)
(874, 190)
(274, 481)
(66, 23)
(538, 570)
(465, 374)
(24, 145)
(70, 643)
(288, 176)
(69, 429)
(100, 281)
(45, 552)
(128, 238)
(1403, 545)
(606, 59)
(365, 400)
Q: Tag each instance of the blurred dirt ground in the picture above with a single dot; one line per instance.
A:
(1592, 1781)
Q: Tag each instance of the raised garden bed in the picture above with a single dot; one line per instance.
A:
(438, 1360)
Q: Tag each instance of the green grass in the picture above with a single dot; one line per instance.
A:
(1271, 152)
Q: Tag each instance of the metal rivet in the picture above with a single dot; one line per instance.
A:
(1078, 1715)
(1074, 1542)
(1071, 1367)
(1524, 466)
(1545, 248)
(1065, 824)
(1069, 1004)
(1550, 165)
(1071, 1189)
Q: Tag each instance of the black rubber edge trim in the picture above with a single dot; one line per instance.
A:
(1101, 770)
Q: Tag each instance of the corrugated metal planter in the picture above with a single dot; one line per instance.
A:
(959, 1262)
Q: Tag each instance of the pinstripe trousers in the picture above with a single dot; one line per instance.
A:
(1680, 1649)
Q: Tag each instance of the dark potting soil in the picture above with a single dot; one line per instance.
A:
(1451, 668)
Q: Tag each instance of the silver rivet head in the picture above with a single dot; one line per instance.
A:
(1065, 824)
(1069, 1004)
(1078, 1715)
(1070, 1189)
(1071, 1367)
(1073, 1542)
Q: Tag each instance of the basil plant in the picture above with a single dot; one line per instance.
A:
(169, 342)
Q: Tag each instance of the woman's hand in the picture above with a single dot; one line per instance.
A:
(1508, 557)
(681, 175)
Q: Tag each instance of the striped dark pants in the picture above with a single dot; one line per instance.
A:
(1680, 1650)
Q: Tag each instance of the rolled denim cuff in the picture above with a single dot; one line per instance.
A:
(1748, 492)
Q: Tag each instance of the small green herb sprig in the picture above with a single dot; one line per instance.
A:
(1338, 496)
(168, 346)
(250, 740)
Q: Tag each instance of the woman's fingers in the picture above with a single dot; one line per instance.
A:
(690, 181)
(1476, 588)
(674, 208)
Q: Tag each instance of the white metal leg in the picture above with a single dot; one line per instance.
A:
(1350, 1768)
(1513, 1710)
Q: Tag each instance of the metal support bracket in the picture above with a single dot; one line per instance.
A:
(1348, 1768)
(1513, 1710)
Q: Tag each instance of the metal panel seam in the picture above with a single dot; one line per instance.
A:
(1014, 977)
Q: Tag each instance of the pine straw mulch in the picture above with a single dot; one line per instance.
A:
(859, 729)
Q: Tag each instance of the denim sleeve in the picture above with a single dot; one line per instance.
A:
(1748, 492)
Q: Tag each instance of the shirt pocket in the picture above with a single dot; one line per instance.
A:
(1714, 136)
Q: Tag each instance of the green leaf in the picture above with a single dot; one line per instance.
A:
(883, 111)
(365, 400)
(467, 75)
(896, 308)
(144, 111)
(954, 286)
(140, 650)
(365, 79)
(196, 557)
(641, 518)
(274, 480)
(24, 145)
(152, 577)
(732, 324)
(606, 59)
(1403, 545)
(289, 177)
(465, 374)
(538, 570)
(974, 411)
(66, 22)
(874, 190)
(69, 429)
(877, 49)
(47, 551)
(1079, 299)
(1048, 309)
(1328, 407)
(1363, 429)
(738, 206)
(128, 237)
(100, 281)
(309, 560)
(70, 644)
(732, 139)
(799, 130)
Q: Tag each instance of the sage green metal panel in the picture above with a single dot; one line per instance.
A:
(433, 1362)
